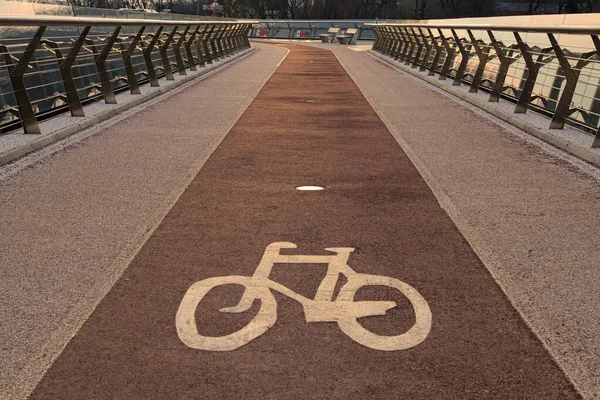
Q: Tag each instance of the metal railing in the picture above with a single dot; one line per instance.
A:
(51, 64)
(307, 29)
(554, 70)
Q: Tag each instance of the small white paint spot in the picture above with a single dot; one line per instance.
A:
(309, 188)
(310, 101)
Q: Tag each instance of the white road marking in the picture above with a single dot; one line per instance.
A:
(343, 310)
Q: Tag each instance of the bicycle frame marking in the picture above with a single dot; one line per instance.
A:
(322, 308)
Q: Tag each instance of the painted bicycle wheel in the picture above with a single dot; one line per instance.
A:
(415, 335)
(187, 326)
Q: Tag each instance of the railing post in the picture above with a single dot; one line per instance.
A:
(164, 57)
(596, 142)
(148, 57)
(219, 42)
(176, 50)
(213, 43)
(65, 65)
(563, 108)
(16, 73)
(505, 63)
(126, 54)
(100, 60)
(437, 56)
(377, 42)
(427, 52)
(449, 56)
(419, 43)
(188, 49)
(205, 44)
(460, 72)
(533, 68)
(399, 42)
(407, 53)
(483, 55)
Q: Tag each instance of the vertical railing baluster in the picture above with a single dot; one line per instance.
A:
(449, 57)
(462, 67)
(148, 57)
(482, 55)
(105, 84)
(176, 50)
(165, 57)
(127, 54)
(596, 142)
(438, 53)
(563, 108)
(16, 73)
(188, 49)
(502, 69)
(427, 51)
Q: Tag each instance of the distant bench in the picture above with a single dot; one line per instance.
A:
(350, 37)
(330, 36)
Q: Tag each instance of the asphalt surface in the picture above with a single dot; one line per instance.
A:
(310, 125)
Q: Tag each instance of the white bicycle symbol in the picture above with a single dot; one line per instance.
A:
(343, 310)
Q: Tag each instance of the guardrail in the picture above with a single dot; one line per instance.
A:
(551, 69)
(307, 29)
(51, 64)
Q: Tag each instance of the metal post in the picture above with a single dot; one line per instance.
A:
(164, 57)
(16, 73)
(427, 52)
(188, 49)
(483, 55)
(438, 53)
(107, 89)
(411, 48)
(213, 43)
(176, 50)
(502, 70)
(533, 69)
(219, 42)
(399, 42)
(127, 53)
(65, 66)
(148, 57)
(563, 108)
(199, 51)
(419, 43)
(596, 40)
(460, 72)
(205, 44)
(449, 56)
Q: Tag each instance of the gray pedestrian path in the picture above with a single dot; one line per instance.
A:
(530, 211)
(72, 221)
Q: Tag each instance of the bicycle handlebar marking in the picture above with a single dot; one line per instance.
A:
(323, 308)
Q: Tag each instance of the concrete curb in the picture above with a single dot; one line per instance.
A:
(24, 149)
(506, 117)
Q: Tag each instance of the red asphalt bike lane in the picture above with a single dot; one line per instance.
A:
(310, 125)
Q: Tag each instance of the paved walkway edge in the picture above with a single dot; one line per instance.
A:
(47, 139)
(571, 148)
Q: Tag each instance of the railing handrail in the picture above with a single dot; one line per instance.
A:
(572, 29)
(52, 20)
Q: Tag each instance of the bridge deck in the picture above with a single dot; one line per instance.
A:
(79, 217)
